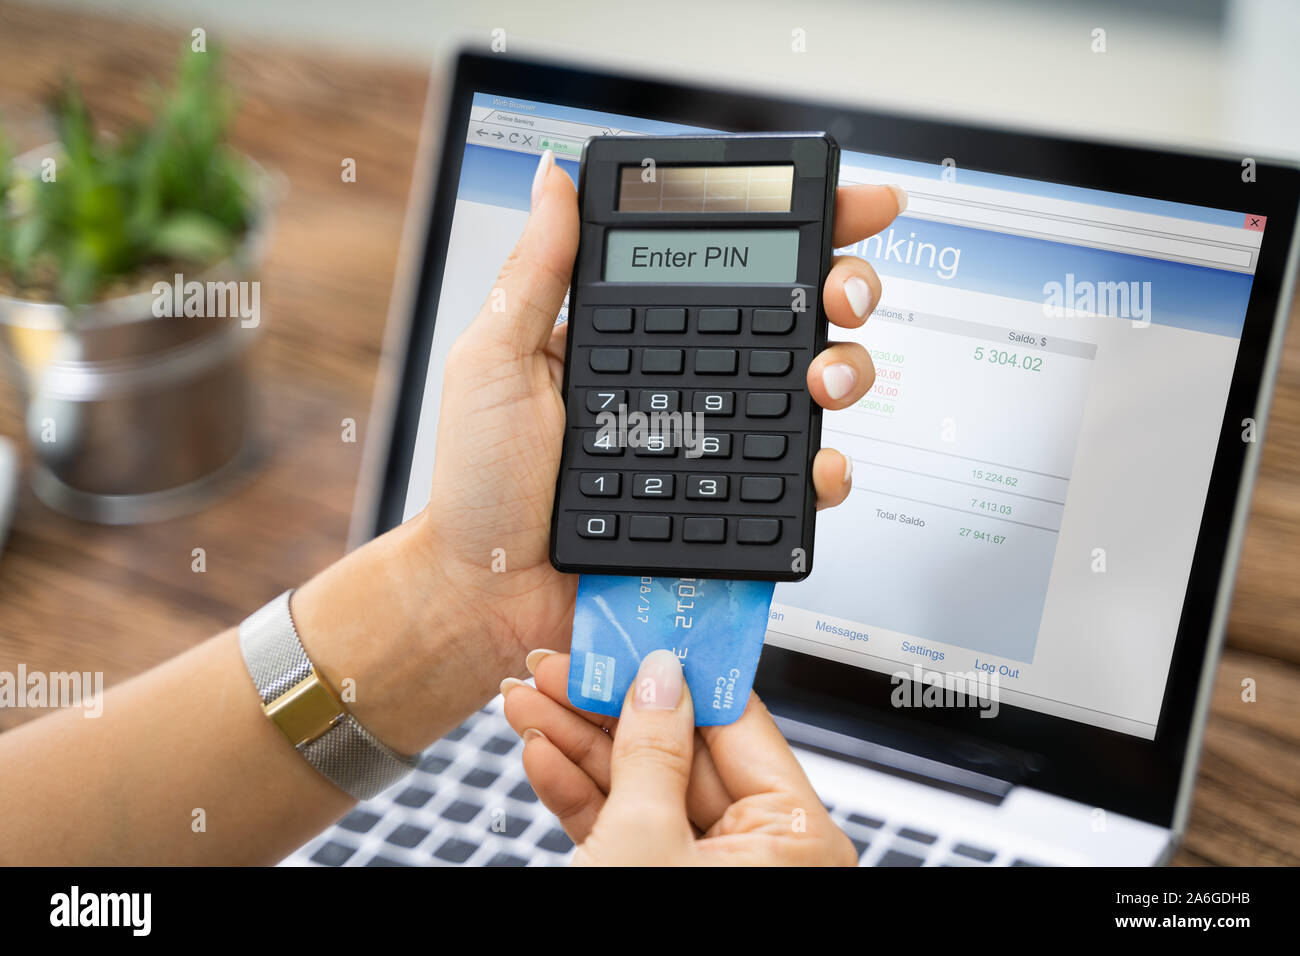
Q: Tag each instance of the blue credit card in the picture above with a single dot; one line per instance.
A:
(715, 627)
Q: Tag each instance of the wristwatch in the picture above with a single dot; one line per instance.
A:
(308, 710)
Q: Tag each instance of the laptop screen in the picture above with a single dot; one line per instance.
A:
(1031, 466)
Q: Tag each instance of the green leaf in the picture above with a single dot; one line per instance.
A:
(77, 277)
(28, 236)
(193, 236)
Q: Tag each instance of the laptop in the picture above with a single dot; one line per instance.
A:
(1005, 651)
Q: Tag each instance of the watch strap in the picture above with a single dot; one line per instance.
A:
(308, 711)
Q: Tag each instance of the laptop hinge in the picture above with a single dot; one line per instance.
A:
(899, 763)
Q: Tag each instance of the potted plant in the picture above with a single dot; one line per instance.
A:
(127, 302)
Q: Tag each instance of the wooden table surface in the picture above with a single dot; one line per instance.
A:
(77, 596)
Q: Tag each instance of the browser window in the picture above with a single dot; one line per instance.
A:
(1031, 464)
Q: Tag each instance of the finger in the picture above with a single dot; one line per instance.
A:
(841, 375)
(555, 347)
(582, 742)
(529, 291)
(768, 838)
(753, 757)
(852, 290)
(562, 787)
(552, 674)
(706, 797)
(650, 764)
(832, 477)
(862, 211)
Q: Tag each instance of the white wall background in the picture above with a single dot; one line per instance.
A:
(1222, 73)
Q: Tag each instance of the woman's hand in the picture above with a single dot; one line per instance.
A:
(502, 419)
(648, 790)
(425, 620)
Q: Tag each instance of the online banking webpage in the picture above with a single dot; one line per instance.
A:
(1031, 465)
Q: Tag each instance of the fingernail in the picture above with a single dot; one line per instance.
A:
(659, 681)
(539, 178)
(858, 293)
(509, 684)
(534, 658)
(848, 469)
(900, 197)
(838, 379)
(532, 733)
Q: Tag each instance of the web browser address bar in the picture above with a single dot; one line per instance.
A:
(977, 213)
(1054, 227)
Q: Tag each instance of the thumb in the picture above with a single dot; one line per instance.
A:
(650, 761)
(529, 291)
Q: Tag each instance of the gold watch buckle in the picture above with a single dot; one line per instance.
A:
(306, 710)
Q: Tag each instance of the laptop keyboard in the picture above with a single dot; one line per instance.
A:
(469, 803)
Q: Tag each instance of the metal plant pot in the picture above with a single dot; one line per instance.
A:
(130, 416)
